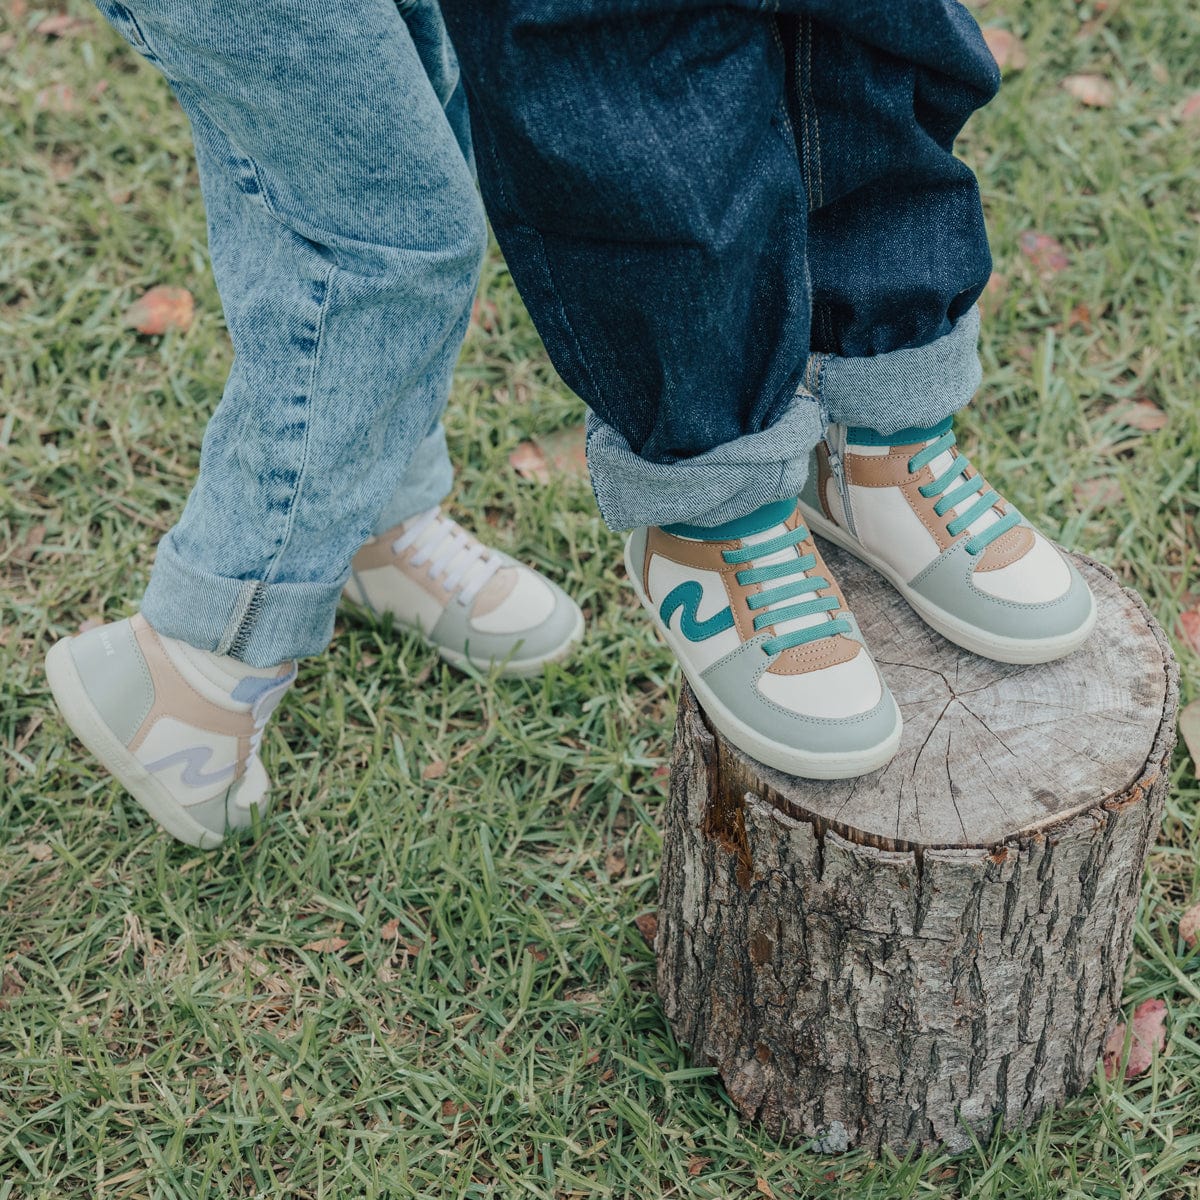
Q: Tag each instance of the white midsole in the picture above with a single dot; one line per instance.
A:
(1023, 651)
(807, 764)
(90, 728)
(517, 668)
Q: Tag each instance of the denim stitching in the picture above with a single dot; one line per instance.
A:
(133, 33)
(802, 147)
(312, 376)
(783, 106)
(807, 95)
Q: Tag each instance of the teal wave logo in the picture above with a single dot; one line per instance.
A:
(687, 596)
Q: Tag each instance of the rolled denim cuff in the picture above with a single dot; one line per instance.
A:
(262, 624)
(426, 484)
(719, 485)
(905, 389)
(887, 392)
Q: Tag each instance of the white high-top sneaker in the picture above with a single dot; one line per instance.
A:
(474, 604)
(971, 566)
(178, 727)
(767, 643)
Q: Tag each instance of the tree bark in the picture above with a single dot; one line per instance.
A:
(908, 956)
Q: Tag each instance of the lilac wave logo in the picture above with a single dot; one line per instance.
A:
(195, 759)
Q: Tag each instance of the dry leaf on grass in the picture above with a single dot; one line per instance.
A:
(1045, 252)
(1080, 317)
(1141, 414)
(561, 453)
(1189, 628)
(160, 309)
(566, 451)
(530, 463)
(1097, 493)
(435, 770)
(1007, 49)
(1189, 729)
(1093, 90)
(762, 1186)
(647, 926)
(327, 945)
(1189, 110)
(1148, 1033)
(62, 25)
(34, 537)
(1189, 926)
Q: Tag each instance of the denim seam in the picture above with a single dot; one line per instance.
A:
(783, 106)
(312, 378)
(807, 95)
(139, 38)
(234, 633)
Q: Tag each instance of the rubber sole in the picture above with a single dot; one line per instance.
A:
(805, 764)
(90, 728)
(1019, 651)
(520, 668)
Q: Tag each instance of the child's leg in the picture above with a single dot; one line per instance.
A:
(641, 172)
(345, 235)
(898, 254)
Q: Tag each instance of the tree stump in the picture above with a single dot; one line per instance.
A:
(899, 958)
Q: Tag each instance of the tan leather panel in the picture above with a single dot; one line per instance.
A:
(495, 592)
(813, 656)
(175, 697)
(878, 470)
(1007, 549)
(377, 552)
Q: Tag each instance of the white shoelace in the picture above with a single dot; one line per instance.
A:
(464, 563)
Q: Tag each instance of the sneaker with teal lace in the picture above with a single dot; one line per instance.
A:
(912, 506)
(766, 641)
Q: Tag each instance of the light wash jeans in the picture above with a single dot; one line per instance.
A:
(346, 235)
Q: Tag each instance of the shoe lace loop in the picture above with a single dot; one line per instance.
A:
(799, 583)
(978, 486)
(463, 562)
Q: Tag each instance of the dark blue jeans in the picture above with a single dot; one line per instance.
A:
(733, 222)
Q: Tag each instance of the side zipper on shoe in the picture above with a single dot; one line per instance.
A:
(835, 448)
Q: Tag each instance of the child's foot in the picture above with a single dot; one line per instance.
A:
(178, 727)
(474, 604)
(766, 641)
(913, 507)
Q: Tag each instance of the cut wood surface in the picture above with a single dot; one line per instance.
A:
(903, 957)
(990, 749)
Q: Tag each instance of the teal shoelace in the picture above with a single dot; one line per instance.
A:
(799, 583)
(952, 499)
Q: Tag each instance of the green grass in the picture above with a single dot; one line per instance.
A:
(489, 1027)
